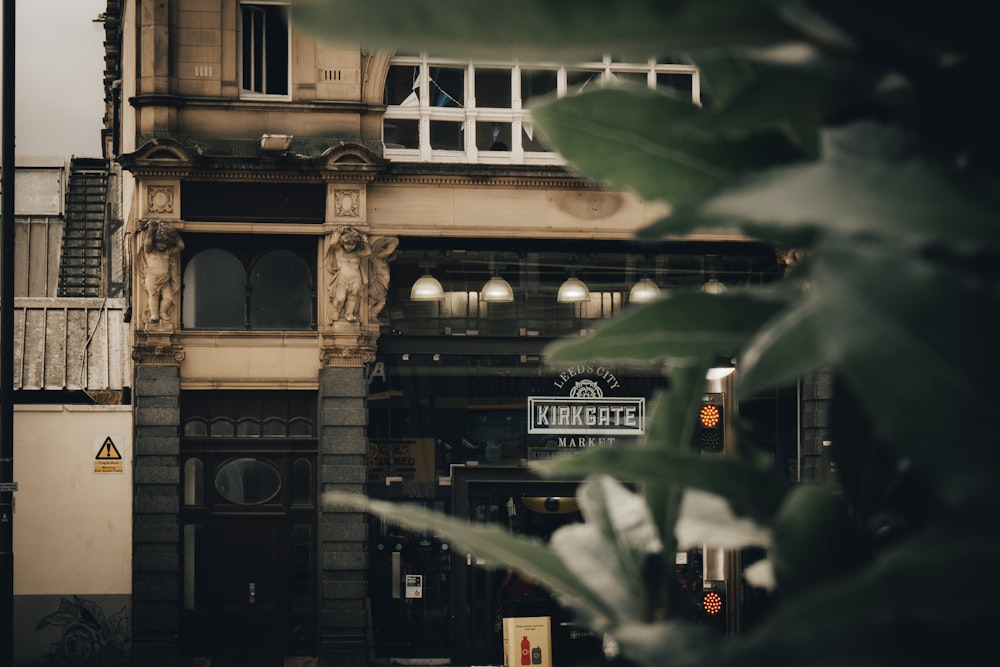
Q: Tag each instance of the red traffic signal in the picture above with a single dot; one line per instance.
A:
(711, 603)
(710, 429)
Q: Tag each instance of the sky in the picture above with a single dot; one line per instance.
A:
(59, 78)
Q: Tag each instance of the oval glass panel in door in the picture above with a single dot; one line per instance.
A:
(247, 481)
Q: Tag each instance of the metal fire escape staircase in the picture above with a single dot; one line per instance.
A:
(82, 270)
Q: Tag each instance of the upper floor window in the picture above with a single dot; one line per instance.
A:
(440, 110)
(266, 50)
(256, 282)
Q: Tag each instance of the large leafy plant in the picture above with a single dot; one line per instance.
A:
(862, 135)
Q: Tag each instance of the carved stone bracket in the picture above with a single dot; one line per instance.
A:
(348, 345)
(157, 349)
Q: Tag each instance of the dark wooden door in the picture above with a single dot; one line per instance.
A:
(248, 584)
(248, 580)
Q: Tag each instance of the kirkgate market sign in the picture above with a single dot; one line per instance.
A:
(587, 410)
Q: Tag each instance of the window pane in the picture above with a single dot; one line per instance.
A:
(493, 136)
(400, 133)
(222, 427)
(577, 80)
(530, 140)
(493, 88)
(265, 49)
(276, 50)
(400, 84)
(280, 292)
(300, 427)
(274, 427)
(248, 481)
(214, 292)
(249, 15)
(447, 87)
(301, 482)
(194, 427)
(194, 482)
(678, 82)
(248, 427)
(639, 78)
(446, 135)
(538, 83)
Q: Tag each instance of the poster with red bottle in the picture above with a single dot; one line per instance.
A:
(527, 641)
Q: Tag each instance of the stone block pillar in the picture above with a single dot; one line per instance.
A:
(156, 532)
(343, 564)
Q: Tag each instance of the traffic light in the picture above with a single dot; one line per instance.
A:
(709, 432)
(713, 611)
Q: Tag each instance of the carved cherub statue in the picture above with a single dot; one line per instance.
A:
(383, 252)
(347, 262)
(159, 268)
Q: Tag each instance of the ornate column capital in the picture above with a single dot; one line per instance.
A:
(348, 344)
(157, 348)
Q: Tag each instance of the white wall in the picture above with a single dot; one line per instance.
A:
(72, 525)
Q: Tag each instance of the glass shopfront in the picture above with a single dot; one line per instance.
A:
(433, 423)
(460, 401)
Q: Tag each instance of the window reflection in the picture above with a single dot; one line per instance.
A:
(280, 292)
(301, 482)
(214, 296)
(248, 481)
(255, 282)
(194, 482)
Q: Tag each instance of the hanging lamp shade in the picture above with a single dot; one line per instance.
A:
(426, 288)
(497, 290)
(573, 290)
(643, 291)
(713, 286)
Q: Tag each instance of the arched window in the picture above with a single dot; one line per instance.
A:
(249, 282)
(280, 292)
(214, 291)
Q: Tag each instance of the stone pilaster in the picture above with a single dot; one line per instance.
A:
(343, 533)
(156, 532)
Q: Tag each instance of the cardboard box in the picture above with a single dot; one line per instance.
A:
(527, 641)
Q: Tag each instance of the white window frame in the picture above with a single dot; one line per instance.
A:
(247, 94)
(469, 113)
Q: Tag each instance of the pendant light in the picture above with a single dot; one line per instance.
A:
(644, 291)
(573, 290)
(497, 290)
(713, 286)
(427, 288)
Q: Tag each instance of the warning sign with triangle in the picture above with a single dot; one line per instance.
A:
(108, 451)
(107, 456)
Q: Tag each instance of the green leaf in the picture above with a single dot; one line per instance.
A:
(610, 548)
(903, 609)
(902, 201)
(493, 546)
(681, 328)
(671, 424)
(638, 138)
(906, 334)
(814, 540)
(751, 490)
(707, 520)
(567, 29)
(760, 88)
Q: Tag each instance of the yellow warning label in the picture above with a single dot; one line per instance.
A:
(108, 458)
(108, 451)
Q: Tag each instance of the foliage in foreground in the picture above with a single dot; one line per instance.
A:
(855, 132)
